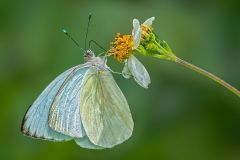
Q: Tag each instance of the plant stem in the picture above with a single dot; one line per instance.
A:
(209, 75)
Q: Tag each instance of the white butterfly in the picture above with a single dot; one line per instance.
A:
(84, 104)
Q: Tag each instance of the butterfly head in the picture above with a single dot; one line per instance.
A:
(88, 55)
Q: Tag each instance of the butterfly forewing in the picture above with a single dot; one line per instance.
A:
(105, 113)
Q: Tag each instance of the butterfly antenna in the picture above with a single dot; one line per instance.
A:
(97, 44)
(69, 36)
(89, 19)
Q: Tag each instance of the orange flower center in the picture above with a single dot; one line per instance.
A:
(122, 47)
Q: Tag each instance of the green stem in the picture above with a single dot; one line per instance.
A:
(209, 75)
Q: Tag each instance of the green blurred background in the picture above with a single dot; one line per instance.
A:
(182, 116)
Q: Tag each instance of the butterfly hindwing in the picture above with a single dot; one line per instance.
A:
(64, 114)
(35, 121)
(105, 113)
(86, 143)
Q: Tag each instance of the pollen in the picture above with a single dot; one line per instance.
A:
(122, 47)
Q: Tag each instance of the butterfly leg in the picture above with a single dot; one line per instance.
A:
(119, 73)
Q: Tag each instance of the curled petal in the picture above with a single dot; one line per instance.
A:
(149, 21)
(139, 72)
(126, 72)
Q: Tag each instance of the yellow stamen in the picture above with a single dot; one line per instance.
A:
(122, 47)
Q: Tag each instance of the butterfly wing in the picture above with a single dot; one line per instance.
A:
(86, 143)
(35, 121)
(105, 113)
(64, 114)
(138, 71)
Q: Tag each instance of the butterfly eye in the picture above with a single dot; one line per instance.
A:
(89, 53)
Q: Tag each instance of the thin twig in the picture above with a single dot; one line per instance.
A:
(209, 75)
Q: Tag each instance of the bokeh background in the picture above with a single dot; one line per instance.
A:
(182, 116)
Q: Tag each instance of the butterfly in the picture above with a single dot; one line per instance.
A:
(83, 104)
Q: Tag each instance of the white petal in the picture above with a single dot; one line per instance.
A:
(136, 25)
(125, 72)
(139, 72)
(149, 21)
(137, 38)
(136, 33)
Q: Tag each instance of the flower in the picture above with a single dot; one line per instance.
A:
(123, 49)
(143, 40)
(141, 32)
(124, 45)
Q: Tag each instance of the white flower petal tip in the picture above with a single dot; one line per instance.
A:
(149, 21)
(144, 83)
(136, 23)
